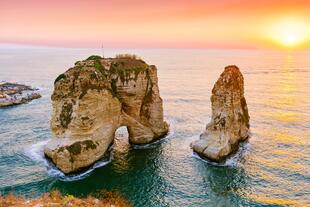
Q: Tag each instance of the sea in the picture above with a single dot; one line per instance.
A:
(272, 168)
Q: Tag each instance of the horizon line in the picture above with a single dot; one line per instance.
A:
(38, 46)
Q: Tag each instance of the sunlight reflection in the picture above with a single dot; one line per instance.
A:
(284, 137)
(284, 93)
(286, 116)
(274, 201)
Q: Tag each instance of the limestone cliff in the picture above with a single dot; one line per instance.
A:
(94, 98)
(230, 119)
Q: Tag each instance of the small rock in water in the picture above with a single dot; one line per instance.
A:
(230, 118)
(14, 93)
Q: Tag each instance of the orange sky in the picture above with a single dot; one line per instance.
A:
(160, 23)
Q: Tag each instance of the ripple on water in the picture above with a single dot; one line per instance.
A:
(273, 170)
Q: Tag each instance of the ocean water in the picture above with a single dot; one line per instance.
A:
(271, 169)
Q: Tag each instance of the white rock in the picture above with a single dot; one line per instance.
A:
(230, 119)
(96, 97)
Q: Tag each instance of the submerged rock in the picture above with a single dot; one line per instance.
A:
(230, 118)
(93, 99)
(13, 94)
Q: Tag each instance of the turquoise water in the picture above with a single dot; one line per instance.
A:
(271, 169)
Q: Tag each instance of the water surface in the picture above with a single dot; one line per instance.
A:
(272, 169)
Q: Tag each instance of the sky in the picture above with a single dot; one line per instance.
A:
(156, 24)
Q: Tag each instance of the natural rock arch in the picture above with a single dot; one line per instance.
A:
(93, 99)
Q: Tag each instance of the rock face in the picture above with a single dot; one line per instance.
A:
(230, 118)
(13, 94)
(93, 99)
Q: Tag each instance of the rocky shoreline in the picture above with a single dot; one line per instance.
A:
(14, 94)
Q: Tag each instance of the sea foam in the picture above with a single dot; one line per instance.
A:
(36, 153)
(234, 160)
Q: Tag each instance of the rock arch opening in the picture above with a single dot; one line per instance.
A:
(122, 133)
(96, 97)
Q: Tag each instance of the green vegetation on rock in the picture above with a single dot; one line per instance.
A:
(60, 77)
(127, 69)
(65, 115)
(98, 66)
(88, 86)
(94, 57)
(148, 97)
(76, 148)
(114, 87)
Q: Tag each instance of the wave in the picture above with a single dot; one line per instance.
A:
(36, 153)
(232, 161)
(55, 172)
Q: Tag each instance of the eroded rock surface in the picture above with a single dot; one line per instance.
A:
(14, 94)
(230, 118)
(93, 99)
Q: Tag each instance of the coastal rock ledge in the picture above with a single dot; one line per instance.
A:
(14, 94)
(93, 99)
(230, 118)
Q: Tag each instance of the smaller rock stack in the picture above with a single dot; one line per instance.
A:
(230, 118)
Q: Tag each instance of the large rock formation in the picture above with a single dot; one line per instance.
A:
(14, 93)
(93, 99)
(230, 119)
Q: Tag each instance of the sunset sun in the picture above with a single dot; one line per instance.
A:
(289, 33)
(290, 39)
(154, 103)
